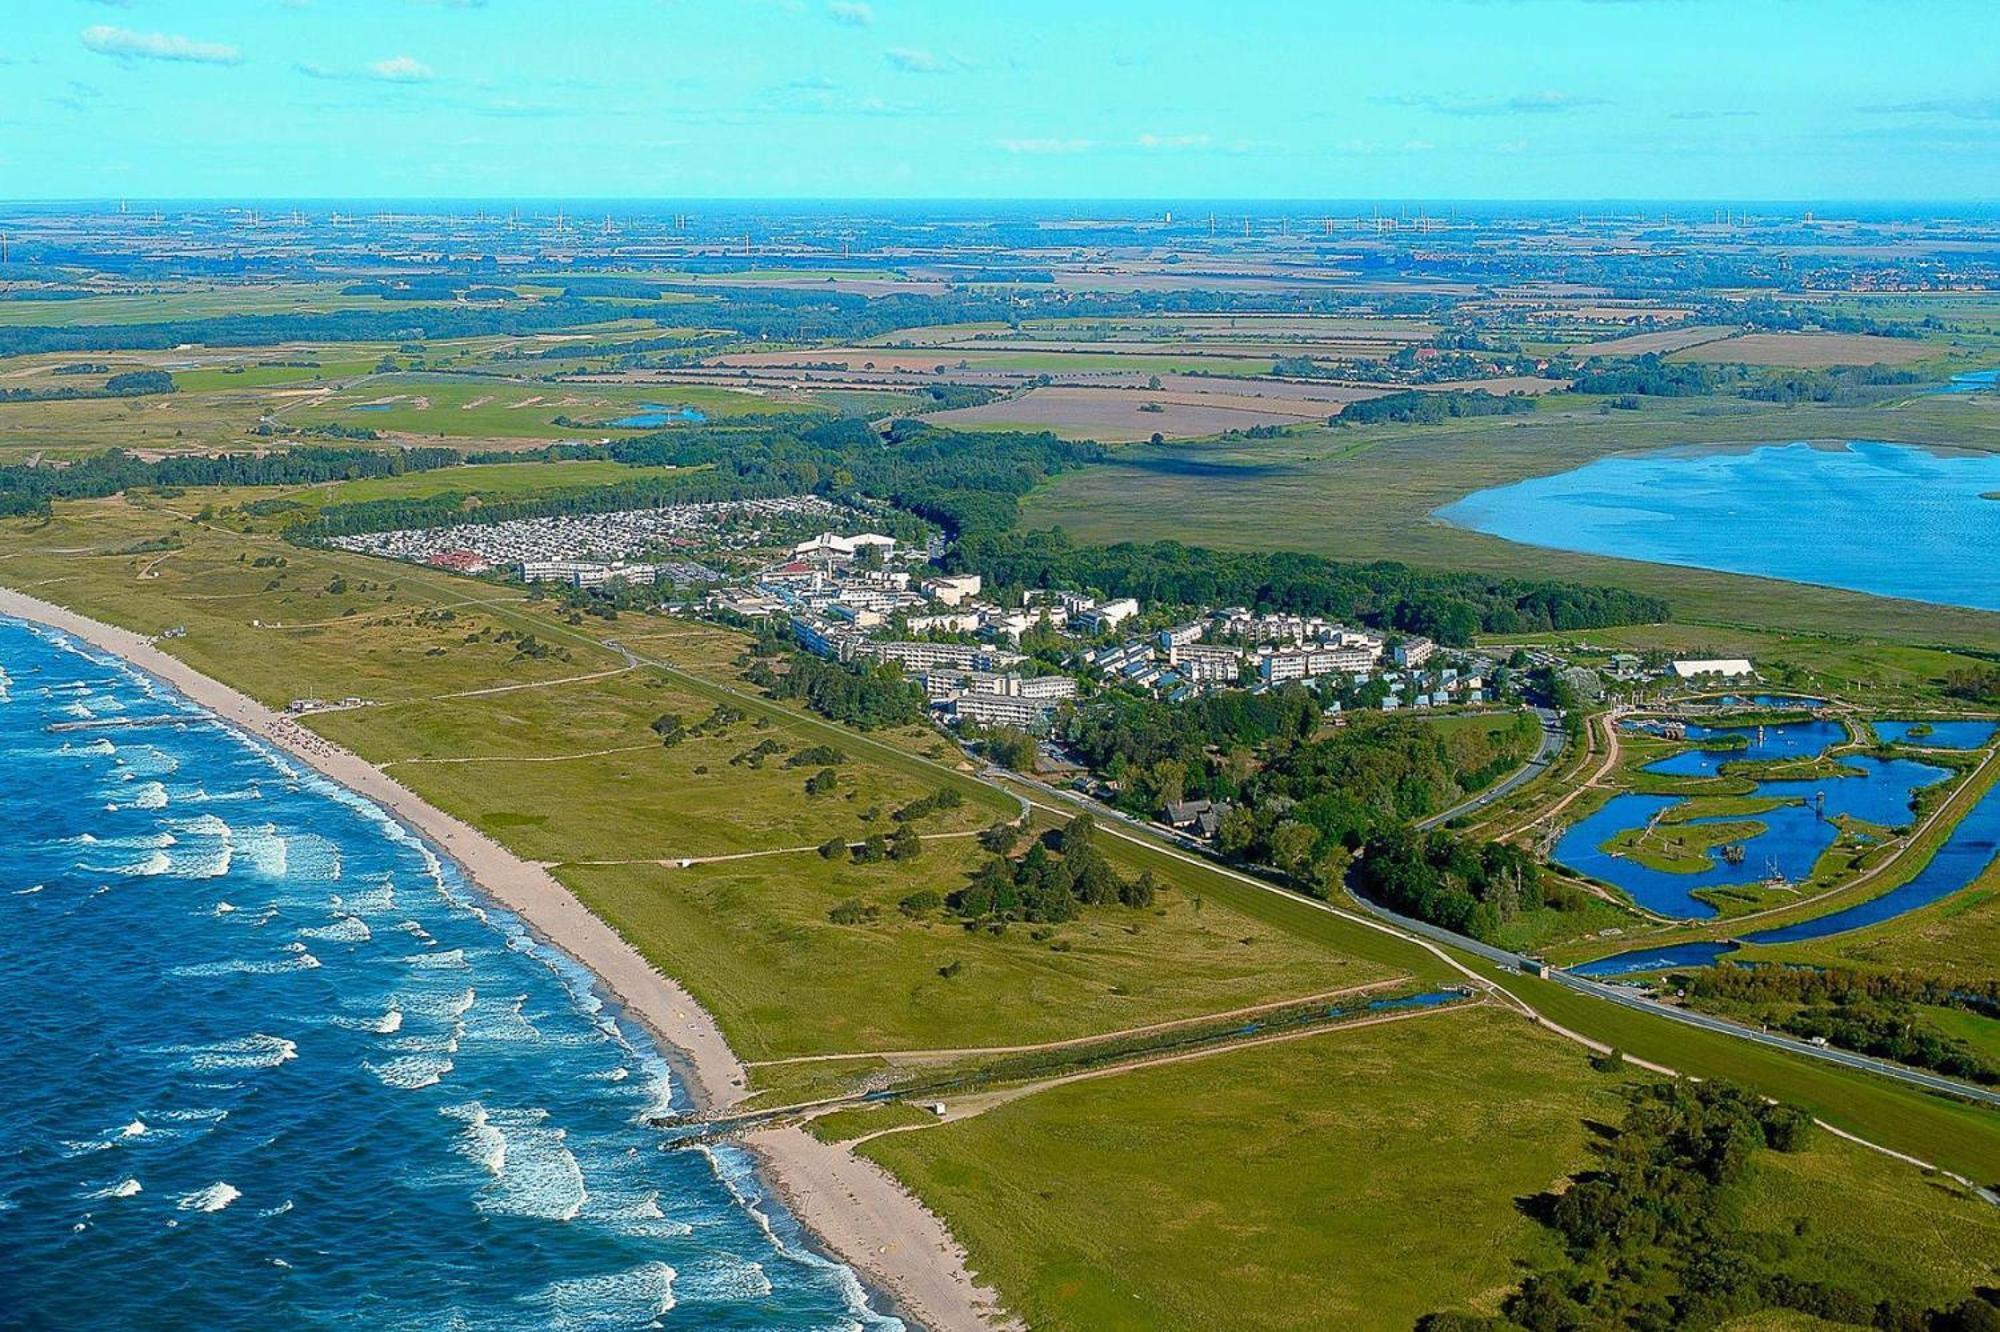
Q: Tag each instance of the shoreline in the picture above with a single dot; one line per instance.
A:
(858, 1213)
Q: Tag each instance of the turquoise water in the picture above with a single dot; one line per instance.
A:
(1973, 846)
(271, 1064)
(1943, 734)
(1797, 833)
(1977, 381)
(653, 415)
(1878, 518)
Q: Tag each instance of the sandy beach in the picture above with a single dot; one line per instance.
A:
(861, 1215)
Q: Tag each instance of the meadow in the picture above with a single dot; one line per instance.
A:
(1367, 493)
(1355, 1178)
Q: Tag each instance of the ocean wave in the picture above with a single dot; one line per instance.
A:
(635, 1297)
(124, 1188)
(533, 1172)
(28, 892)
(347, 929)
(369, 901)
(725, 1280)
(146, 795)
(211, 1199)
(452, 959)
(411, 1072)
(238, 966)
(243, 1052)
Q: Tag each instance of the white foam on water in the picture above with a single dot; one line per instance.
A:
(452, 959)
(211, 1199)
(135, 1129)
(279, 1210)
(481, 1140)
(637, 1297)
(224, 908)
(156, 864)
(347, 929)
(243, 1052)
(411, 1072)
(147, 795)
(417, 932)
(298, 961)
(26, 892)
(739, 1177)
(124, 1188)
(72, 1147)
(262, 851)
(534, 1174)
(369, 901)
(725, 1280)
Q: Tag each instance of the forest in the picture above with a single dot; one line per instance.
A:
(1472, 889)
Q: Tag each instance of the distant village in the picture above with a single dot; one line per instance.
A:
(868, 597)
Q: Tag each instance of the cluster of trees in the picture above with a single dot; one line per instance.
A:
(1653, 1239)
(1976, 684)
(863, 696)
(1873, 1014)
(1646, 376)
(28, 490)
(1838, 384)
(1063, 872)
(1470, 888)
(960, 482)
(132, 384)
(1417, 408)
(1449, 607)
(1779, 317)
(1299, 803)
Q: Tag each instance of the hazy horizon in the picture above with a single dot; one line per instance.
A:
(872, 99)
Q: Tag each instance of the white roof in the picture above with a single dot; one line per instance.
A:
(1688, 670)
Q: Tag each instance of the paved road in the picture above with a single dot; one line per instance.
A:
(1554, 739)
(1626, 997)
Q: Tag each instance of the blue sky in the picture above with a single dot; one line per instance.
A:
(1396, 99)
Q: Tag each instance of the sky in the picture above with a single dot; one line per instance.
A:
(989, 99)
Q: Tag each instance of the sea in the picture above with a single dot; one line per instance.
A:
(1870, 517)
(267, 1060)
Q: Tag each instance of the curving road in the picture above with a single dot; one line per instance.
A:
(1554, 740)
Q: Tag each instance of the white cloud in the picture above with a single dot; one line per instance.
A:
(402, 69)
(125, 44)
(1047, 146)
(913, 61)
(1173, 142)
(854, 13)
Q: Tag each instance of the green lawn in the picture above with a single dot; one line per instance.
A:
(1354, 1179)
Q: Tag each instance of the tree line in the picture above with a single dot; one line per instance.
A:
(1449, 607)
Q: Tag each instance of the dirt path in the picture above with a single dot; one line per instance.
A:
(975, 1051)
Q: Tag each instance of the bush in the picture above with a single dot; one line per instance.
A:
(853, 913)
(917, 903)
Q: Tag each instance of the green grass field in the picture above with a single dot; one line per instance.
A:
(1356, 1178)
(454, 407)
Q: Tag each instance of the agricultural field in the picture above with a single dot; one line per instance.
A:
(1810, 351)
(1123, 416)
